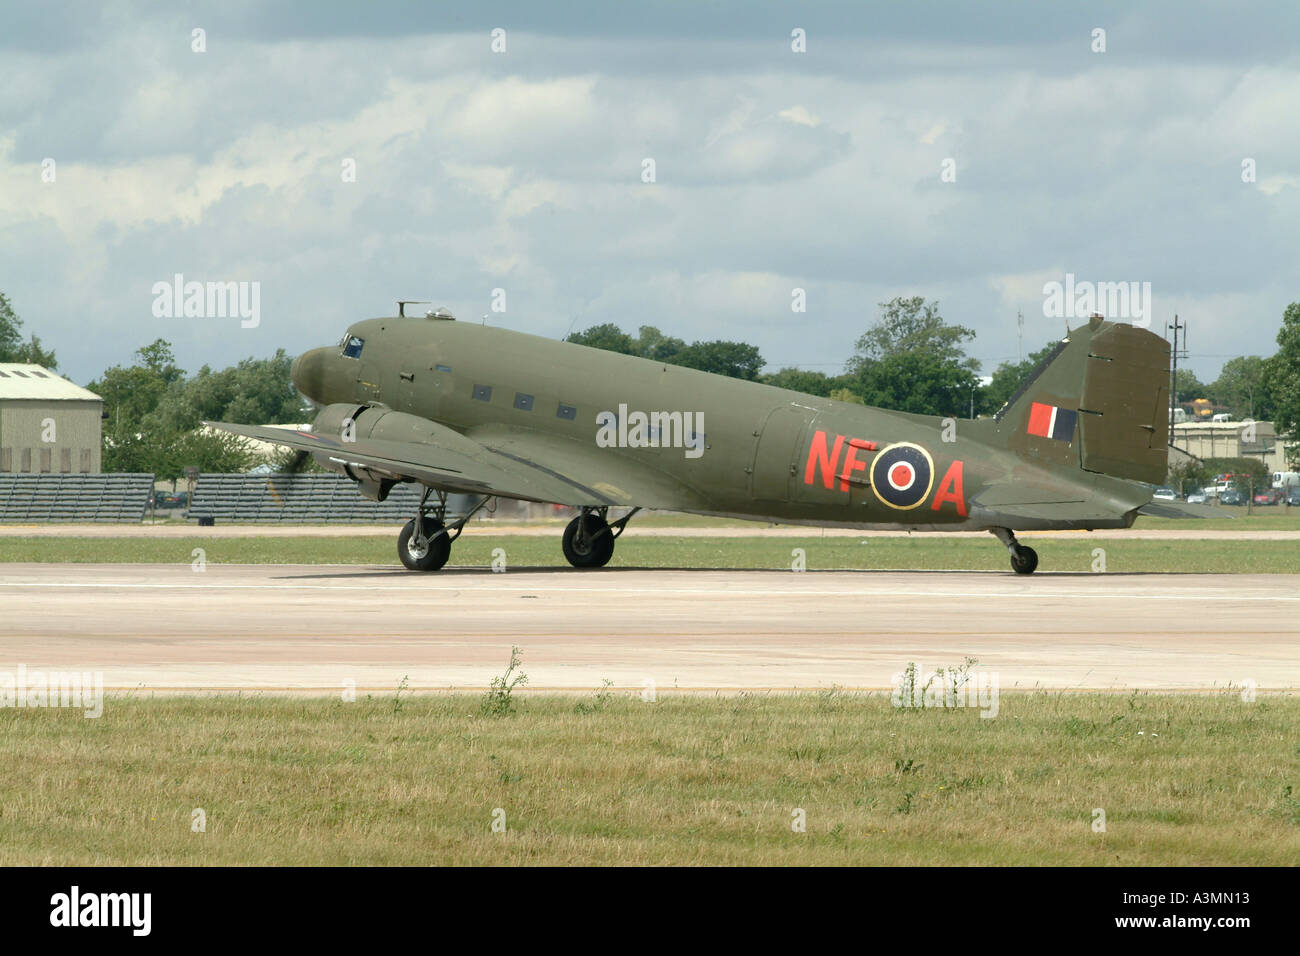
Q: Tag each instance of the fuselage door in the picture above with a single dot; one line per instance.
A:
(775, 451)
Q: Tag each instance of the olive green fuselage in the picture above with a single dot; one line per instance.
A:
(764, 453)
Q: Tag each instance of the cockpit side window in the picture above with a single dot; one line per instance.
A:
(352, 346)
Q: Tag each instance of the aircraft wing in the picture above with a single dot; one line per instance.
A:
(601, 470)
(504, 463)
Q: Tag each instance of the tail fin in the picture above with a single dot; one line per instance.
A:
(1099, 402)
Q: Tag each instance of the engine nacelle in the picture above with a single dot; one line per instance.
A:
(336, 421)
(348, 422)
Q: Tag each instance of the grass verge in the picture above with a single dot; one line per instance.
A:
(607, 779)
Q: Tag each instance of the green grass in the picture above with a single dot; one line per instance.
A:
(688, 780)
(978, 552)
(1267, 518)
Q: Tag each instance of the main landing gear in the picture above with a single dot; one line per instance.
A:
(425, 541)
(1024, 560)
(589, 538)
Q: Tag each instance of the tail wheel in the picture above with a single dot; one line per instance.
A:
(593, 547)
(1024, 561)
(428, 554)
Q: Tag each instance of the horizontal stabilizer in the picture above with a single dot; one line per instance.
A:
(1180, 509)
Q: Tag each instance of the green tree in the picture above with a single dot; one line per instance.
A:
(1008, 377)
(737, 359)
(1188, 388)
(608, 337)
(909, 326)
(920, 383)
(1251, 473)
(911, 360)
(253, 392)
(11, 336)
(653, 344)
(1282, 374)
(800, 380)
(1242, 386)
(153, 411)
(1189, 475)
(209, 451)
(131, 392)
(12, 346)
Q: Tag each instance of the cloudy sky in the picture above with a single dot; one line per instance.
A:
(522, 170)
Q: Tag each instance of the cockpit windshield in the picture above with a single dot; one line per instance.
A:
(352, 346)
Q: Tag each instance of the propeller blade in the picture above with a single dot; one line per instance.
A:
(296, 462)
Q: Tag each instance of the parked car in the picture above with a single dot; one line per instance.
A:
(1196, 497)
(1231, 496)
(1165, 494)
(1293, 498)
(1269, 496)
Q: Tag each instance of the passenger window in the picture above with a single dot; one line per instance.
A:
(523, 402)
(352, 348)
(567, 412)
(483, 393)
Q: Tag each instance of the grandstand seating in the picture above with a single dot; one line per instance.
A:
(305, 498)
(100, 498)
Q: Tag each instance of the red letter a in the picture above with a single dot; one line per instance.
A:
(950, 489)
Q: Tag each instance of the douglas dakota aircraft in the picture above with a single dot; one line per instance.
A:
(459, 407)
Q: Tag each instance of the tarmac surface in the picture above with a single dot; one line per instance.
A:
(317, 627)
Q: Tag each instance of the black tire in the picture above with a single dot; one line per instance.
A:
(1024, 561)
(598, 543)
(430, 558)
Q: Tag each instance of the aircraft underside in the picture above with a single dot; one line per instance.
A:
(588, 540)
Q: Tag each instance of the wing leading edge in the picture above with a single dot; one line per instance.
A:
(442, 459)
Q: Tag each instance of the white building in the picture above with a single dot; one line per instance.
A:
(1232, 440)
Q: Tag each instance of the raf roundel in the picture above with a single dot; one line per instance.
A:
(902, 475)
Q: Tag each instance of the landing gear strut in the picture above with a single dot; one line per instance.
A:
(589, 538)
(1024, 560)
(425, 541)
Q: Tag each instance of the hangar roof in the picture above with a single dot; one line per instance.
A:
(20, 380)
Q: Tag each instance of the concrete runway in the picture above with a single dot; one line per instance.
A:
(304, 627)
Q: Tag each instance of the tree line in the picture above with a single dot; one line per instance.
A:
(911, 360)
(153, 410)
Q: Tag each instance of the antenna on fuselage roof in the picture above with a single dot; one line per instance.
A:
(403, 303)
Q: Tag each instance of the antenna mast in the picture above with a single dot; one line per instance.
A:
(1175, 353)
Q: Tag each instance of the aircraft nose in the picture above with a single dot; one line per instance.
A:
(308, 374)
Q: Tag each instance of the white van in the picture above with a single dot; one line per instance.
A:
(1222, 417)
(1286, 479)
